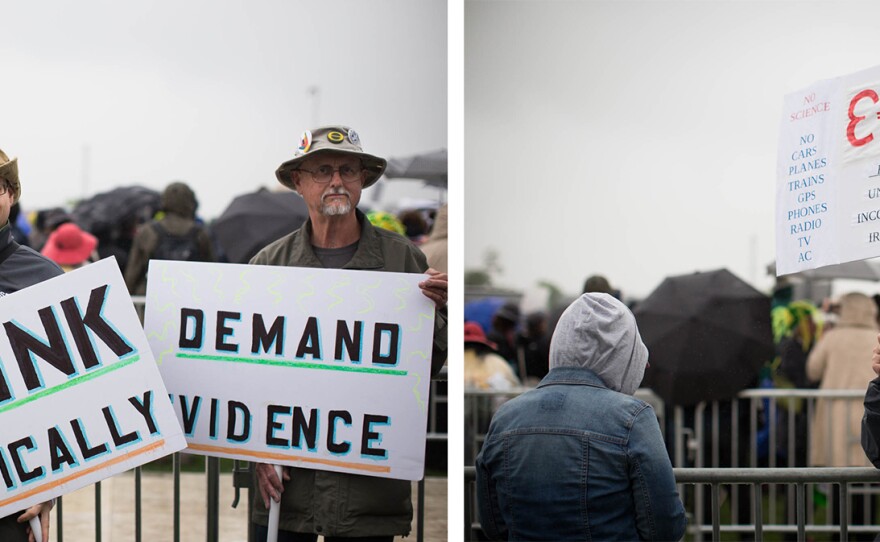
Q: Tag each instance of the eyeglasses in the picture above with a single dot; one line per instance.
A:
(324, 174)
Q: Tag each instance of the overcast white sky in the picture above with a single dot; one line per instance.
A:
(212, 93)
(638, 139)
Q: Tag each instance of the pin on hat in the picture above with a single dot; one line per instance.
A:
(340, 139)
(305, 142)
(9, 171)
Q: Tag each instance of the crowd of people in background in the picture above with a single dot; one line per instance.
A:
(821, 346)
(523, 340)
(328, 171)
(173, 230)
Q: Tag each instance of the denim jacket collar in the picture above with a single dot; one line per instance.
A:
(572, 375)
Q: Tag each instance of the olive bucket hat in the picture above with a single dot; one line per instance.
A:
(331, 138)
(9, 171)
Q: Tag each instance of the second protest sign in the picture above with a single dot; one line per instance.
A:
(325, 369)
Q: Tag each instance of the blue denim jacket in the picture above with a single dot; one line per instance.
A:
(574, 460)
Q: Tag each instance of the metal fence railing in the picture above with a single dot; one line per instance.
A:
(848, 480)
(759, 429)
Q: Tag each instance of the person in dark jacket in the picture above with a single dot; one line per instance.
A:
(19, 225)
(505, 322)
(329, 171)
(20, 267)
(871, 418)
(871, 423)
(533, 349)
(177, 228)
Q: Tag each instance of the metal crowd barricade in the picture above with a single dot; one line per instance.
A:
(731, 434)
(756, 478)
(242, 478)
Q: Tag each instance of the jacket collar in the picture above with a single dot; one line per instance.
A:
(579, 376)
(367, 256)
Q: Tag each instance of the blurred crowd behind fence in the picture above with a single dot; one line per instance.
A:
(729, 443)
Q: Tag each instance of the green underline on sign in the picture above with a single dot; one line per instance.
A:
(296, 364)
(72, 382)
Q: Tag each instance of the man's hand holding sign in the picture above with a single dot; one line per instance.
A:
(436, 287)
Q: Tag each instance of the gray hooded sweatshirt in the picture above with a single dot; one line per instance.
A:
(599, 333)
(578, 458)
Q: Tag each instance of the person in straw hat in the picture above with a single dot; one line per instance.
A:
(20, 267)
(329, 170)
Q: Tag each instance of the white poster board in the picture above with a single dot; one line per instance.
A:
(317, 368)
(81, 398)
(828, 174)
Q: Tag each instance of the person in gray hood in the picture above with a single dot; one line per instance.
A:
(578, 457)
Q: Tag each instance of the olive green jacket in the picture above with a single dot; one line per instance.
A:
(332, 503)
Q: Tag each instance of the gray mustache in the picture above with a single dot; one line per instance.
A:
(336, 191)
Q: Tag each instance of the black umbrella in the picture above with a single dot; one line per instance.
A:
(129, 205)
(254, 220)
(707, 334)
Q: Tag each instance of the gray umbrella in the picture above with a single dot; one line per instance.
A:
(430, 167)
(102, 212)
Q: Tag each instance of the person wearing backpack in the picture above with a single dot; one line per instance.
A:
(174, 236)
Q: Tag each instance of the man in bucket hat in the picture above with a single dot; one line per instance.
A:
(20, 267)
(329, 170)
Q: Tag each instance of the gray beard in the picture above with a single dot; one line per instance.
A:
(335, 210)
(328, 209)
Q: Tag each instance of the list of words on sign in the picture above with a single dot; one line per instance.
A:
(864, 217)
(805, 181)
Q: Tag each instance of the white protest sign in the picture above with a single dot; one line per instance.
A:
(828, 174)
(81, 398)
(318, 368)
